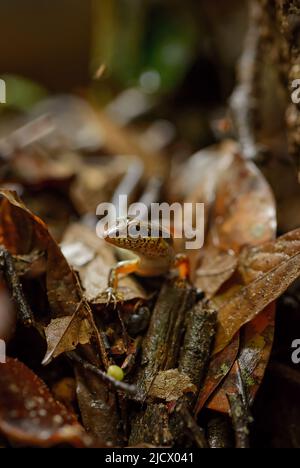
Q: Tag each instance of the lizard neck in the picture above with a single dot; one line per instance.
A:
(153, 265)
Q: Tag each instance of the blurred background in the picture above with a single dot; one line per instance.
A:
(182, 56)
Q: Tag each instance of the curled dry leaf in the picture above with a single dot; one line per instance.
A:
(170, 385)
(21, 232)
(279, 266)
(242, 213)
(256, 345)
(233, 224)
(244, 209)
(92, 258)
(216, 268)
(219, 368)
(203, 171)
(29, 415)
(65, 333)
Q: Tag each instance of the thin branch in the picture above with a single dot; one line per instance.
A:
(196, 433)
(243, 101)
(130, 389)
(25, 314)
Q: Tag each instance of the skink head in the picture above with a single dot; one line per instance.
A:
(142, 237)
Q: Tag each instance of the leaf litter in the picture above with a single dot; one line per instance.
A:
(189, 353)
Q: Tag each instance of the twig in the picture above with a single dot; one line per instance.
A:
(160, 352)
(198, 340)
(240, 412)
(162, 343)
(243, 101)
(24, 311)
(240, 419)
(131, 389)
(98, 336)
(196, 432)
(194, 357)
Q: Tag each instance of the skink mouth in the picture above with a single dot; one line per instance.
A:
(114, 235)
(110, 236)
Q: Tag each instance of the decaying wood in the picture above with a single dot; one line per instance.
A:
(99, 405)
(161, 345)
(241, 419)
(198, 339)
(191, 361)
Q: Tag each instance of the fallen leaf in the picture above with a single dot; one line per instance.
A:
(65, 333)
(21, 232)
(244, 209)
(203, 171)
(219, 368)
(216, 268)
(170, 385)
(29, 415)
(242, 213)
(255, 349)
(279, 267)
(234, 223)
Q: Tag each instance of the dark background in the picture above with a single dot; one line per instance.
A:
(46, 40)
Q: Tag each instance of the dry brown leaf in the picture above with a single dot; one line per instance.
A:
(65, 333)
(256, 345)
(244, 209)
(278, 263)
(29, 415)
(21, 232)
(216, 268)
(243, 213)
(219, 368)
(170, 385)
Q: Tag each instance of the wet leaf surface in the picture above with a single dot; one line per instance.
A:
(29, 415)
